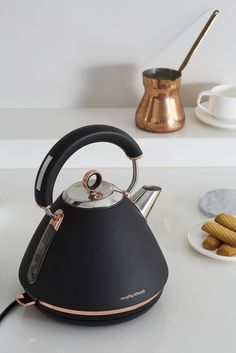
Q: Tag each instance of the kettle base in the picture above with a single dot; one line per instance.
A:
(98, 320)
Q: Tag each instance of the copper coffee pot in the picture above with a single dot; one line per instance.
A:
(160, 109)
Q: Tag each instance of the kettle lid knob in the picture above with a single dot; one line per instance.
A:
(92, 192)
(91, 185)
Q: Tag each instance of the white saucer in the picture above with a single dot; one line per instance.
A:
(196, 236)
(209, 119)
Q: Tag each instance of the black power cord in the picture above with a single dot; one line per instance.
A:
(7, 309)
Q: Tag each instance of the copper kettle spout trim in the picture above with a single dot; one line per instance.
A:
(80, 312)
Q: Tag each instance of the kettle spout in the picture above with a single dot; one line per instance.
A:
(145, 198)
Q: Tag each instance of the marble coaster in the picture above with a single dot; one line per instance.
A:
(218, 201)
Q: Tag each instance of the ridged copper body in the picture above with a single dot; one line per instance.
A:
(160, 109)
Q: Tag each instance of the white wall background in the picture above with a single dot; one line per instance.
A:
(78, 53)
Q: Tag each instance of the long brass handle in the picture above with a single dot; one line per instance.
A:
(198, 40)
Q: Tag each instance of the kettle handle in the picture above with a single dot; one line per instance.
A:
(70, 143)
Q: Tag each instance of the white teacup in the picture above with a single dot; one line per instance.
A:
(221, 103)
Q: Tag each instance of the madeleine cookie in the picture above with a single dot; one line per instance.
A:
(221, 233)
(211, 243)
(226, 250)
(227, 221)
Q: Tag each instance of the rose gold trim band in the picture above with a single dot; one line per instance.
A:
(98, 313)
(135, 158)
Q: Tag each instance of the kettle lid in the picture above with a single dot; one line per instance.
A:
(92, 193)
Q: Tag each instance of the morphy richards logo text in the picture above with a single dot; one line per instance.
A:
(133, 295)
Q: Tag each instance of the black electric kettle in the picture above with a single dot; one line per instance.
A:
(93, 256)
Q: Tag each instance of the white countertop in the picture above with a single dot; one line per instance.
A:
(26, 135)
(197, 310)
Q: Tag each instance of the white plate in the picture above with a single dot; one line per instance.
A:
(209, 119)
(196, 236)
